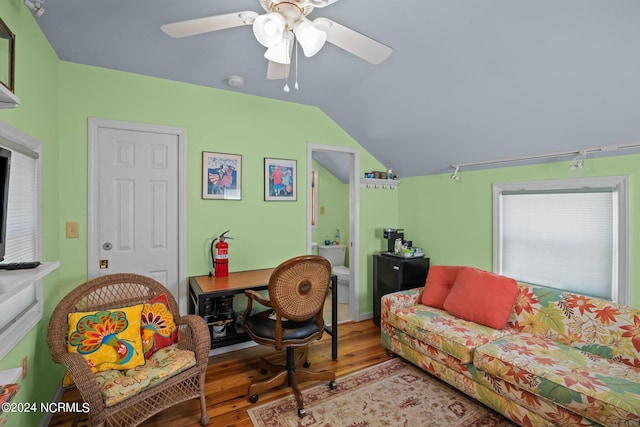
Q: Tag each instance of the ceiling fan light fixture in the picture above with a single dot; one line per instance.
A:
(281, 52)
(310, 38)
(269, 29)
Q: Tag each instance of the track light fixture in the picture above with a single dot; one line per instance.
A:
(578, 161)
(35, 6)
(454, 175)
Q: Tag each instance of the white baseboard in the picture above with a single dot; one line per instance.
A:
(46, 419)
(366, 316)
(229, 348)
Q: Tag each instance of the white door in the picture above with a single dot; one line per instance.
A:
(137, 204)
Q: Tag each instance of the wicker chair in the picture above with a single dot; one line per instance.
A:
(121, 290)
(297, 291)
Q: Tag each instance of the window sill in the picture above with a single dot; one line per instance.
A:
(13, 286)
(10, 376)
(7, 98)
(13, 281)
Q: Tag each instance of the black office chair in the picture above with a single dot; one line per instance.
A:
(297, 291)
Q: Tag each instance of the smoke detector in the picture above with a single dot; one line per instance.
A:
(235, 81)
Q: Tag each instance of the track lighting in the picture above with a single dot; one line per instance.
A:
(454, 175)
(36, 7)
(578, 162)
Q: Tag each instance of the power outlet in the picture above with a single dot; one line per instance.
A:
(24, 367)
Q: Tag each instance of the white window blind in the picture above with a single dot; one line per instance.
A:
(21, 215)
(21, 232)
(568, 235)
(562, 240)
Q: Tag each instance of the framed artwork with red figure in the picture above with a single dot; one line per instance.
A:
(280, 182)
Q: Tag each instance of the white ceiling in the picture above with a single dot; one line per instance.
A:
(468, 81)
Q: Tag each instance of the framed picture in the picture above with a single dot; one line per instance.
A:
(221, 176)
(280, 182)
(7, 56)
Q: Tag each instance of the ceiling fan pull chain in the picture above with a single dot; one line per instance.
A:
(296, 85)
(286, 80)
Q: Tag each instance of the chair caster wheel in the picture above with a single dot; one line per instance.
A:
(333, 385)
(253, 398)
(301, 413)
(307, 364)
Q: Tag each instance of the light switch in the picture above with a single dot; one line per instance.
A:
(72, 230)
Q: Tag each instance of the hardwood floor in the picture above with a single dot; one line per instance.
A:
(229, 376)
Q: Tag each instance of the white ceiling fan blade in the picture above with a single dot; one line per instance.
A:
(353, 41)
(276, 71)
(208, 24)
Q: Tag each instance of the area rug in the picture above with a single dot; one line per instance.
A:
(392, 393)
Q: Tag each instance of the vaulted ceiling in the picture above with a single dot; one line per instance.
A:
(468, 80)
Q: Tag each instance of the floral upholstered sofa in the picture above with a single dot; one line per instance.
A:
(561, 359)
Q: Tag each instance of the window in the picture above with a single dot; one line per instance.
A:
(21, 305)
(569, 234)
(23, 206)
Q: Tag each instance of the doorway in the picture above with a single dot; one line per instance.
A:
(343, 162)
(136, 203)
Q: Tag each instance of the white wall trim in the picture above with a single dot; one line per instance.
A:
(46, 419)
(354, 218)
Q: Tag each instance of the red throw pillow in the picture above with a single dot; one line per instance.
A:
(482, 297)
(158, 329)
(440, 279)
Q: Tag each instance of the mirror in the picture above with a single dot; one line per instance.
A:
(7, 60)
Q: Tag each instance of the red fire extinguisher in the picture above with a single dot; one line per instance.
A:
(220, 255)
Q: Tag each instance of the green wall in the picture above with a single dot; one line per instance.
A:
(452, 220)
(265, 233)
(36, 84)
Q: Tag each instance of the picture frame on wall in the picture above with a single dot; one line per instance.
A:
(280, 182)
(221, 176)
(7, 57)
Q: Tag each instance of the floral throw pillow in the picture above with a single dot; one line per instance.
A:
(107, 339)
(158, 329)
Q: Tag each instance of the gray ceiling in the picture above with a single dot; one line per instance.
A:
(468, 81)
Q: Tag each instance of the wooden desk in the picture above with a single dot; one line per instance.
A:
(203, 289)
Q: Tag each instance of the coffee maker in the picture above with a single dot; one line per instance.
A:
(391, 234)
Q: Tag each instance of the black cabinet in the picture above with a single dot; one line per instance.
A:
(392, 273)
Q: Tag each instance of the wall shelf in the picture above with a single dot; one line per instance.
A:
(7, 98)
(391, 184)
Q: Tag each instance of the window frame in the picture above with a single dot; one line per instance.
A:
(620, 186)
(22, 324)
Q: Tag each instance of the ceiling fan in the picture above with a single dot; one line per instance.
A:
(285, 22)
